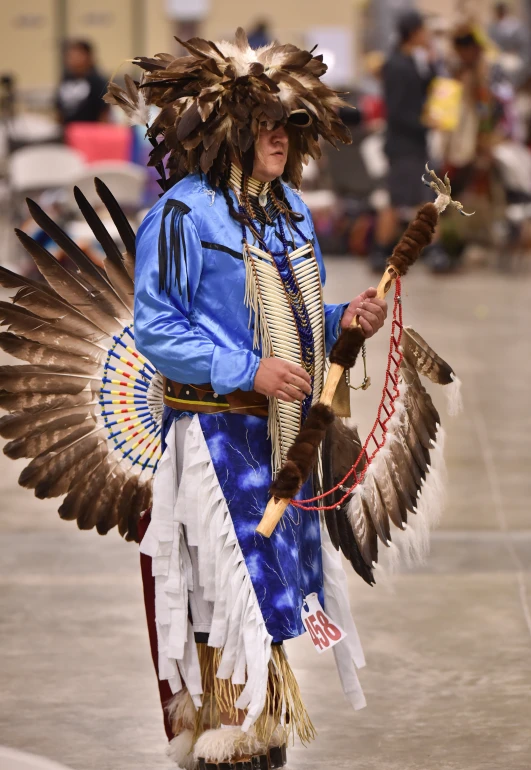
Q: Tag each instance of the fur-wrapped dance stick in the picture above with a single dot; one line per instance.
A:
(302, 456)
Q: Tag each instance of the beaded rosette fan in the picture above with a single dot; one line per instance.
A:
(86, 406)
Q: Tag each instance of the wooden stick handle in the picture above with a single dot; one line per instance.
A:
(275, 508)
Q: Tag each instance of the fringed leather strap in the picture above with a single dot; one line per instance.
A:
(172, 248)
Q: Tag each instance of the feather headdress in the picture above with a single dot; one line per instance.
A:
(214, 101)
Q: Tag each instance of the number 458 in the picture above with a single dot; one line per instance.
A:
(321, 630)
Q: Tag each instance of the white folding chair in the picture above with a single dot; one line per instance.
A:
(33, 128)
(43, 167)
(126, 181)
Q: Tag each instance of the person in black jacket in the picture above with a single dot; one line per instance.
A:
(80, 93)
(407, 75)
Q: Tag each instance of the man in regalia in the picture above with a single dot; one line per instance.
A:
(229, 308)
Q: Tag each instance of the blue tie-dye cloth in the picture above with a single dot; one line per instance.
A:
(287, 566)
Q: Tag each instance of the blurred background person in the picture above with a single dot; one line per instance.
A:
(468, 148)
(80, 93)
(468, 157)
(407, 75)
(513, 39)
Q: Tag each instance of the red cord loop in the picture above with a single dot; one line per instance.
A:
(386, 410)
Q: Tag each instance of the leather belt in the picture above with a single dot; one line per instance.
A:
(203, 398)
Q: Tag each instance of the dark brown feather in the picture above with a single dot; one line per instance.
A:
(51, 466)
(40, 379)
(120, 220)
(38, 354)
(31, 402)
(88, 272)
(424, 359)
(33, 444)
(341, 451)
(24, 323)
(364, 531)
(388, 495)
(87, 302)
(114, 266)
(379, 516)
(18, 425)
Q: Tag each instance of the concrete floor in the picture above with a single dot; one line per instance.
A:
(448, 647)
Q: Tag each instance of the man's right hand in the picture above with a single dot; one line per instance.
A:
(282, 379)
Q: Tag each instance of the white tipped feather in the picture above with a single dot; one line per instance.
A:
(411, 547)
(139, 114)
(454, 403)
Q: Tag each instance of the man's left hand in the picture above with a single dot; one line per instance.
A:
(371, 311)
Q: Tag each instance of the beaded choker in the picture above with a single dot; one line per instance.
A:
(249, 186)
(257, 198)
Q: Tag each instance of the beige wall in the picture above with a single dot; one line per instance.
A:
(28, 45)
(288, 18)
(158, 30)
(106, 23)
(29, 28)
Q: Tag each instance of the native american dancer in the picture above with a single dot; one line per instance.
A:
(217, 395)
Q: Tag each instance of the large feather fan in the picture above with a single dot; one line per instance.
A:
(86, 407)
(213, 101)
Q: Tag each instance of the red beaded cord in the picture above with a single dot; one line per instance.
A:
(390, 394)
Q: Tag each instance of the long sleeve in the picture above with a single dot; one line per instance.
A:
(164, 328)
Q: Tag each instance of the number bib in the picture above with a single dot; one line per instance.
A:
(323, 632)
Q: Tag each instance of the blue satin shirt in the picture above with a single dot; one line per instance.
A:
(200, 332)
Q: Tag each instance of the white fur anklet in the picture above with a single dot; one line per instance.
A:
(180, 750)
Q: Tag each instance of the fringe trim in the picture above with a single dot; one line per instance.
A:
(238, 629)
(348, 653)
(283, 703)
